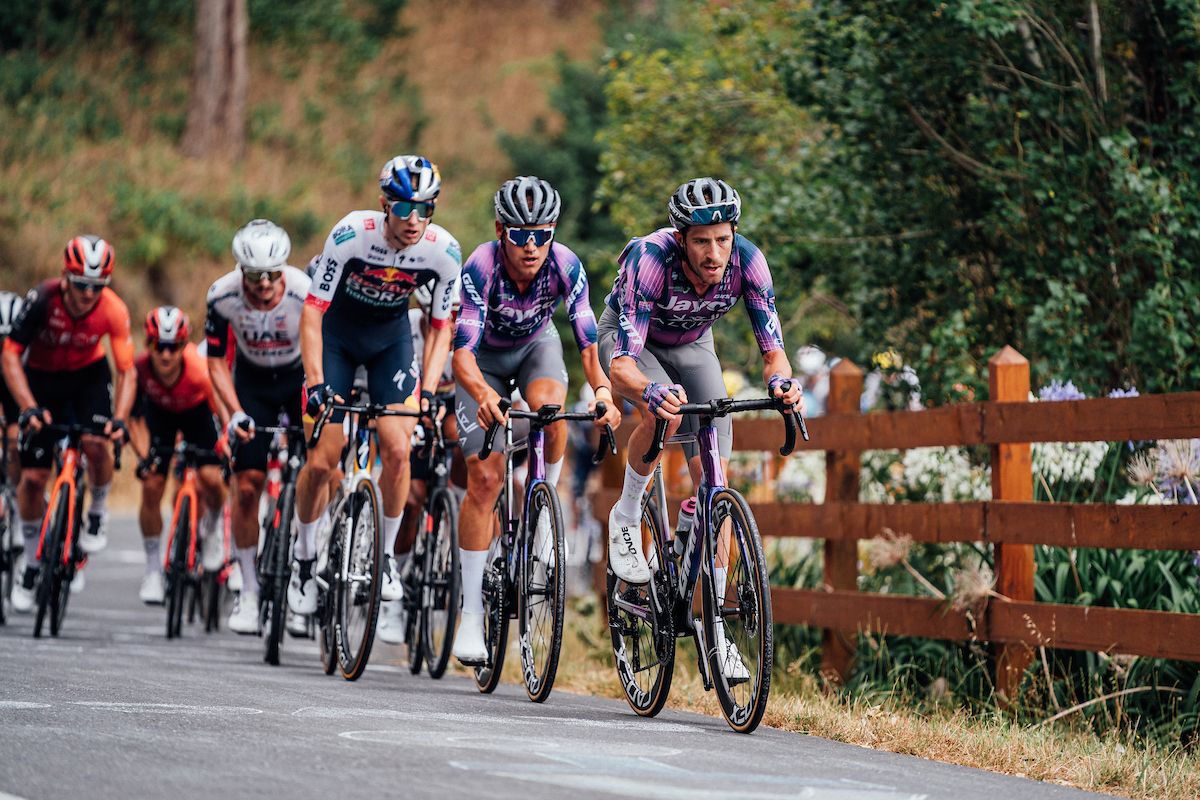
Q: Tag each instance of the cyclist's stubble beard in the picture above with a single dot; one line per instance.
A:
(704, 264)
(263, 295)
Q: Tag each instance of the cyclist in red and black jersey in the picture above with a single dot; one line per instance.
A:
(175, 399)
(56, 370)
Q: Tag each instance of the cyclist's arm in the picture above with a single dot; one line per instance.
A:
(14, 375)
(321, 293)
(139, 436)
(119, 338)
(468, 376)
(216, 335)
(600, 384)
(222, 384)
(124, 392)
(643, 282)
(311, 344)
(437, 350)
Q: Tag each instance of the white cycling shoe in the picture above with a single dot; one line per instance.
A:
(212, 551)
(152, 593)
(233, 582)
(301, 595)
(625, 549)
(22, 591)
(391, 626)
(296, 624)
(732, 666)
(78, 582)
(390, 586)
(95, 538)
(469, 647)
(244, 618)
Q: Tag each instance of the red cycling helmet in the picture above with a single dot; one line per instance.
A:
(89, 257)
(168, 325)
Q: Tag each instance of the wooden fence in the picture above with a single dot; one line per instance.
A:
(1010, 522)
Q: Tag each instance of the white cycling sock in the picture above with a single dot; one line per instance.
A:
(553, 471)
(473, 562)
(209, 522)
(391, 527)
(246, 557)
(719, 575)
(31, 532)
(100, 499)
(306, 539)
(152, 554)
(630, 504)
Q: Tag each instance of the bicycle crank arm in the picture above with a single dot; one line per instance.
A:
(702, 653)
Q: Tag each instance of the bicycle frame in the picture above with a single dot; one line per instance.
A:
(187, 490)
(67, 480)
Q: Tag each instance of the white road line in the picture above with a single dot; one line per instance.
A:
(167, 708)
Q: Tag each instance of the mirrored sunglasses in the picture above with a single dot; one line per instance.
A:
(403, 208)
(519, 236)
(256, 275)
(711, 215)
(168, 347)
(86, 284)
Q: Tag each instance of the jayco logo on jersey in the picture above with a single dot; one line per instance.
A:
(686, 305)
(519, 315)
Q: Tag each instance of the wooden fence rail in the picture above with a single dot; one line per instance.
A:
(1011, 522)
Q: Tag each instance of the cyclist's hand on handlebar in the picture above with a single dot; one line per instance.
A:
(489, 410)
(664, 401)
(315, 398)
(34, 418)
(788, 390)
(612, 416)
(241, 427)
(115, 430)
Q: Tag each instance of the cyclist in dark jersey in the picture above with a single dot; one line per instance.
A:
(175, 398)
(357, 315)
(56, 370)
(11, 304)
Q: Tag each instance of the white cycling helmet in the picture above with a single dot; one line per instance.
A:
(261, 245)
(526, 200)
(11, 304)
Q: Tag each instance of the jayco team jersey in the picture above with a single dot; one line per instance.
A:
(362, 277)
(655, 301)
(500, 316)
(268, 339)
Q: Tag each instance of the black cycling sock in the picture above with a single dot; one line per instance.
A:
(29, 578)
(306, 568)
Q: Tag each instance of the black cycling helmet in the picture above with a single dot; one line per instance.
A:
(704, 201)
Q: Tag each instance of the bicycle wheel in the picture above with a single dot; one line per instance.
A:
(442, 590)
(741, 606)
(8, 550)
(176, 577)
(326, 567)
(641, 623)
(357, 596)
(276, 596)
(541, 597)
(50, 576)
(495, 604)
(413, 577)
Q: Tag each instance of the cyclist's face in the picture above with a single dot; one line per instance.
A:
(405, 231)
(707, 248)
(262, 288)
(165, 360)
(80, 299)
(529, 257)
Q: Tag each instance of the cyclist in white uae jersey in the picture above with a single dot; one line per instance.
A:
(357, 314)
(259, 303)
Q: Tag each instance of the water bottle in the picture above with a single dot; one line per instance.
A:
(683, 528)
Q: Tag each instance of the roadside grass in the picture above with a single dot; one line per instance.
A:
(1061, 753)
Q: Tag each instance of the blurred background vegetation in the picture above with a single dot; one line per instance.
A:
(935, 178)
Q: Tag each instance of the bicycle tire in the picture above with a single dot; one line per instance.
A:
(50, 569)
(743, 703)
(326, 640)
(282, 572)
(441, 593)
(411, 602)
(176, 577)
(210, 590)
(540, 622)
(646, 685)
(8, 552)
(496, 604)
(358, 581)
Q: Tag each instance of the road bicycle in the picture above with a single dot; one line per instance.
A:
(434, 589)
(11, 543)
(183, 576)
(722, 549)
(349, 573)
(517, 583)
(58, 550)
(274, 556)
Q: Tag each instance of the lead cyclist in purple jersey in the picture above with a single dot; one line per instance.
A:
(656, 339)
(504, 338)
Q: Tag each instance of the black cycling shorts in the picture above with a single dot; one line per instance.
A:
(196, 424)
(384, 347)
(265, 394)
(81, 396)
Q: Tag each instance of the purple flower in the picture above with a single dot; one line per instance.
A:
(1130, 392)
(1057, 390)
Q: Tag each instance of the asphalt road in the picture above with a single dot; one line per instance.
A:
(113, 710)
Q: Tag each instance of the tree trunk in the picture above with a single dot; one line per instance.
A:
(216, 120)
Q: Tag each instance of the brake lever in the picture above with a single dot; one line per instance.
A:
(660, 437)
(319, 425)
(608, 443)
(490, 437)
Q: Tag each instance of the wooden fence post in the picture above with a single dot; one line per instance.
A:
(841, 486)
(1012, 479)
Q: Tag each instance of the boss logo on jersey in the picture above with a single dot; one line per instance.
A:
(327, 274)
(383, 251)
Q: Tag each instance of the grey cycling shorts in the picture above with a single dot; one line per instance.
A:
(694, 366)
(505, 370)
